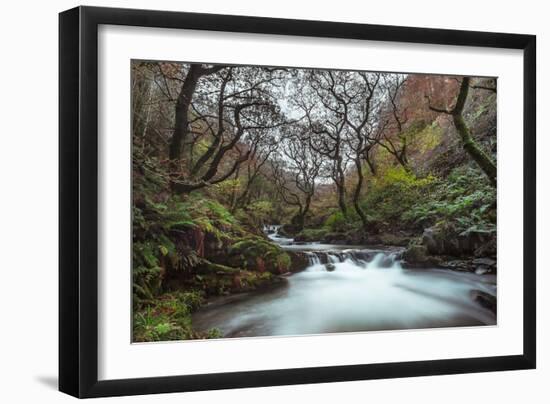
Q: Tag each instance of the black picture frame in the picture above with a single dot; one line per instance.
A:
(78, 201)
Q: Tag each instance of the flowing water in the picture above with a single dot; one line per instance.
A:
(352, 289)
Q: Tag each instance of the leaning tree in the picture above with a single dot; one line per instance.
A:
(481, 158)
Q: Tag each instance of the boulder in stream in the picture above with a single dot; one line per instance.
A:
(485, 300)
(330, 267)
(416, 255)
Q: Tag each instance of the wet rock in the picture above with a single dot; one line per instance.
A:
(445, 240)
(487, 249)
(337, 238)
(484, 300)
(330, 267)
(387, 261)
(458, 265)
(482, 269)
(298, 261)
(488, 262)
(389, 239)
(431, 241)
(375, 240)
(417, 255)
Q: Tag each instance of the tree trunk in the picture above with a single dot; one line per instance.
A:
(299, 219)
(342, 199)
(469, 144)
(182, 110)
(357, 194)
(473, 149)
(233, 203)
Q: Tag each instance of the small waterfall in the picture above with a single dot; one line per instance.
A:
(359, 258)
(382, 260)
(333, 258)
(320, 255)
(313, 258)
(272, 231)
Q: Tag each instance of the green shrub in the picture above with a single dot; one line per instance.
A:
(394, 193)
(465, 198)
(169, 318)
(337, 223)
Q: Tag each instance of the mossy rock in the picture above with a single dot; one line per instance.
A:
(389, 239)
(417, 255)
(308, 235)
(258, 255)
(249, 281)
(336, 238)
(445, 239)
(298, 261)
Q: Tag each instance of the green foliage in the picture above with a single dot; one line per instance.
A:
(224, 191)
(169, 318)
(394, 193)
(283, 262)
(160, 221)
(465, 198)
(214, 333)
(147, 282)
(486, 105)
(256, 214)
(312, 234)
(426, 136)
(258, 254)
(198, 211)
(338, 223)
(397, 198)
(170, 234)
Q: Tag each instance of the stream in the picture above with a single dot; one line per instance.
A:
(351, 289)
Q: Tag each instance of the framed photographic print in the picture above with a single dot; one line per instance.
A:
(250, 201)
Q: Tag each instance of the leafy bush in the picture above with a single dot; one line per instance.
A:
(337, 223)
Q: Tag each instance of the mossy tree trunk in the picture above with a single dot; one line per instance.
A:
(470, 145)
(342, 199)
(299, 219)
(357, 194)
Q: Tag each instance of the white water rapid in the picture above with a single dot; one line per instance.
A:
(353, 289)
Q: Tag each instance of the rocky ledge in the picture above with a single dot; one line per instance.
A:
(472, 250)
